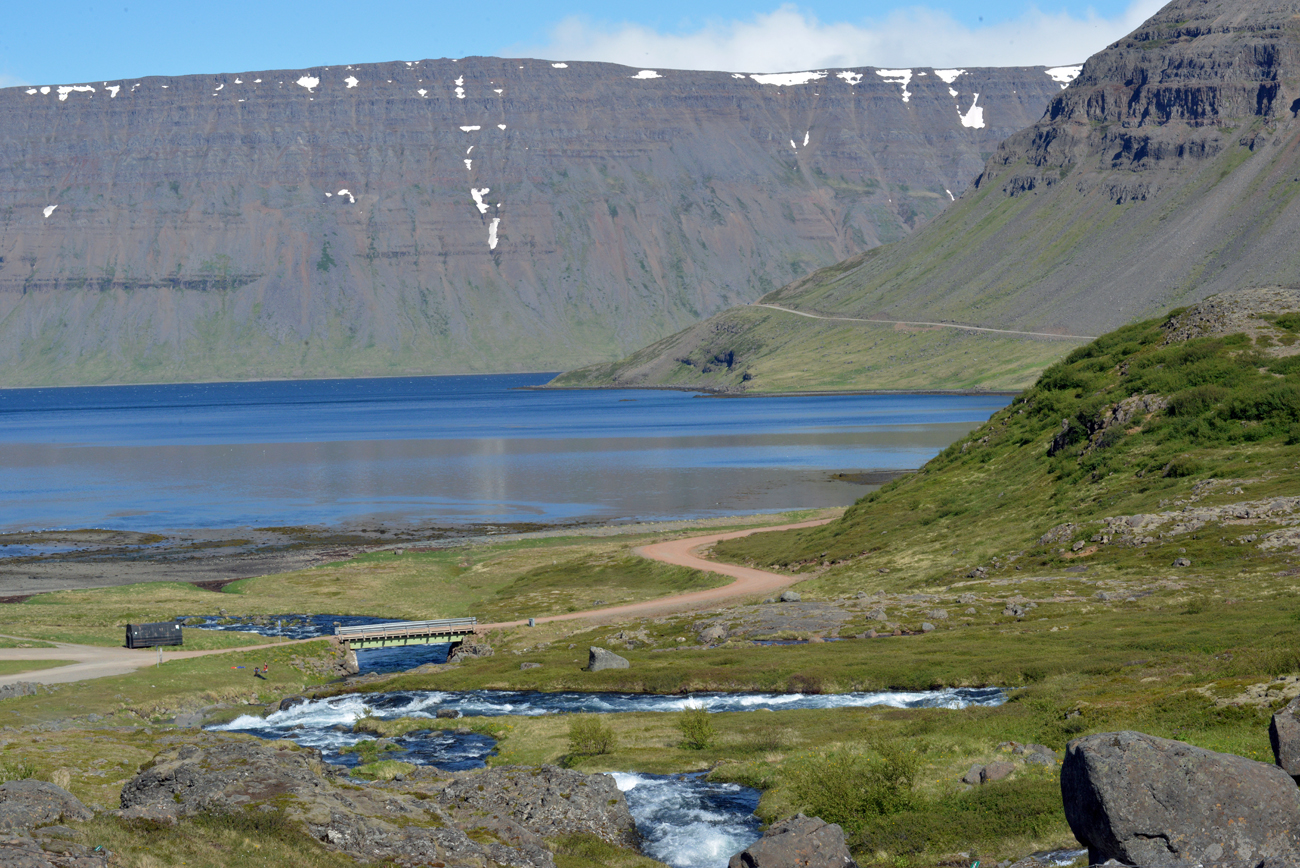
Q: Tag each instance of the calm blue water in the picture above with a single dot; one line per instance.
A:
(441, 450)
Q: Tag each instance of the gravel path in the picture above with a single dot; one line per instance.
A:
(94, 661)
(748, 582)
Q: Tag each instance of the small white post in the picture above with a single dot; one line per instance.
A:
(160, 655)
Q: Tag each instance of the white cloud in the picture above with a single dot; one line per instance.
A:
(11, 81)
(789, 38)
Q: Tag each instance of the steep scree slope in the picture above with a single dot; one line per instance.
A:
(481, 214)
(1165, 172)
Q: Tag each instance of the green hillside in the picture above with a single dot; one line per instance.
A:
(1167, 438)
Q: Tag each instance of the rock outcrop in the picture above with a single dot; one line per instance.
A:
(29, 836)
(799, 842)
(422, 820)
(1163, 804)
(550, 801)
(443, 216)
(470, 651)
(25, 852)
(1284, 736)
(28, 804)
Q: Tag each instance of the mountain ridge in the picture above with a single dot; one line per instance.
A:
(450, 216)
(1164, 173)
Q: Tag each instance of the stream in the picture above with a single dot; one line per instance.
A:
(684, 820)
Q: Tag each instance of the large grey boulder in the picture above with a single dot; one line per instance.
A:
(799, 842)
(599, 658)
(26, 805)
(1284, 734)
(996, 771)
(712, 634)
(1163, 804)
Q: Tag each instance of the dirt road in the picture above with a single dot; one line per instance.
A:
(749, 582)
(94, 661)
(97, 662)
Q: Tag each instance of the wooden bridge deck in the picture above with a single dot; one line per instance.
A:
(452, 630)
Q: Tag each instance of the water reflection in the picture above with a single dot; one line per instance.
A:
(442, 450)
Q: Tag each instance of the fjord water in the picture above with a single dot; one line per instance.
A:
(442, 451)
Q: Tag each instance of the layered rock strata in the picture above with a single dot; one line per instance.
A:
(1166, 172)
(437, 216)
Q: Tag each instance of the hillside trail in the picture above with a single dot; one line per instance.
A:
(93, 661)
(944, 325)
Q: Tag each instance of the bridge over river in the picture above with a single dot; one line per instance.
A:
(453, 630)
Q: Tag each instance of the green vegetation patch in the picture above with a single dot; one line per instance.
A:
(1208, 421)
(14, 667)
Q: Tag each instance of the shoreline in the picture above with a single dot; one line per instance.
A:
(279, 380)
(213, 558)
(711, 392)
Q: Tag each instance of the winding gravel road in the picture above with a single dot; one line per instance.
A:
(92, 661)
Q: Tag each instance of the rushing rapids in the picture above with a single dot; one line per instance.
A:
(684, 820)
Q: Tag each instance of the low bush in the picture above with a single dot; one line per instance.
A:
(697, 729)
(590, 736)
(1024, 807)
(16, 770)
(851, 787)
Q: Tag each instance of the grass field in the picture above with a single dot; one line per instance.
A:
(16, 667)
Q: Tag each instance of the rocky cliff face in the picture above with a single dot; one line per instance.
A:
(1166, 172)
(481, 214)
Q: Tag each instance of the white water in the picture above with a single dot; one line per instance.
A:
(347, 710)
(684, 820)
(689, 822)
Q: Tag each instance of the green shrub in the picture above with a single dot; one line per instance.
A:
(1183, 465)
(590, 736)
(16, 770)
(1285, 366)
(1196, 400)
(1028, 806)
(851, 787)
(697, 728)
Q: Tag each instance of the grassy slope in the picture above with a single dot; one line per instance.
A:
(776, 351)
(996, 492)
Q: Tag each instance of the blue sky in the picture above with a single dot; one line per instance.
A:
(71, 42)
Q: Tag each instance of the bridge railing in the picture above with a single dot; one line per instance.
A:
(443, 625)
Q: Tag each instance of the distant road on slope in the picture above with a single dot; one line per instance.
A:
(946, 325)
